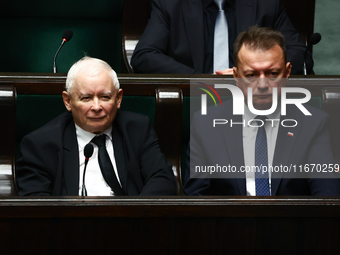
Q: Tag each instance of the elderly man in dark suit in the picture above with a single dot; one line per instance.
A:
(264, 157)
(126, 161)
(179, 37)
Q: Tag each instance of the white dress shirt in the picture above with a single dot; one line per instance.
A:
(249, 138)
(94, 180)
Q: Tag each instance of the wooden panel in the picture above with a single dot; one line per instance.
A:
(135, 17)
(168, 126)
(7, 141)
(301, 13)
(139, 84)
(173, 225)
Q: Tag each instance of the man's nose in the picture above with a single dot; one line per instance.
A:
(96, 104)
(262, 82)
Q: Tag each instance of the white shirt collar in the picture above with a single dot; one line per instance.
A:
(84, 137)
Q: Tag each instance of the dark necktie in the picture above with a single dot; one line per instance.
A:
(221, 41)
(261, 159)
(106, 165)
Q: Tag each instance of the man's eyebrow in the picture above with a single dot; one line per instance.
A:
(274, 69)
(81, 94)
(249, 71)
(108, 93)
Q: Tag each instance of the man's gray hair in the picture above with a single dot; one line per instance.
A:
(91, 66)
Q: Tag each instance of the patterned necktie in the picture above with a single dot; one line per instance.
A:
(221, 41)
(261, 159)
(106, 165)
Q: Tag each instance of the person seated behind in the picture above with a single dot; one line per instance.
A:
(181, 36)
(130, 163)
(261, 65)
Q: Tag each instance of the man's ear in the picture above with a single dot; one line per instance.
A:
(119, 98)
(288, 69)
(67, 100)
(235, 74)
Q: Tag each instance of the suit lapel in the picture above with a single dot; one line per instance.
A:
(193, 21)
(285, 143)
(233, 139)
(120, 155)
(245, 14)
(71, 160)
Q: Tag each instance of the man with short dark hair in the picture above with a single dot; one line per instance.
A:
(126, 160)
(257, 38)
(262, 142)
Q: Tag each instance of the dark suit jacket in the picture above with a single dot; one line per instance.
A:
(223, 145)
(50, 158)
(173, 40)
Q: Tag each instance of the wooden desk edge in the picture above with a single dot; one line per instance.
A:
(38, 207)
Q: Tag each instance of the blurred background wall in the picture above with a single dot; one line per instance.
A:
(327, 22)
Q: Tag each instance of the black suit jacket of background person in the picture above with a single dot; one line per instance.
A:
(173, 40)
(223, 145)
(50, 158)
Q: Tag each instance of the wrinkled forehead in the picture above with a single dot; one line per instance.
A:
(272, 56)
(274, 48)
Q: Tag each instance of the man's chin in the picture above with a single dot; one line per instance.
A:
(263, 105)
(97, 132)
(96, 129)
